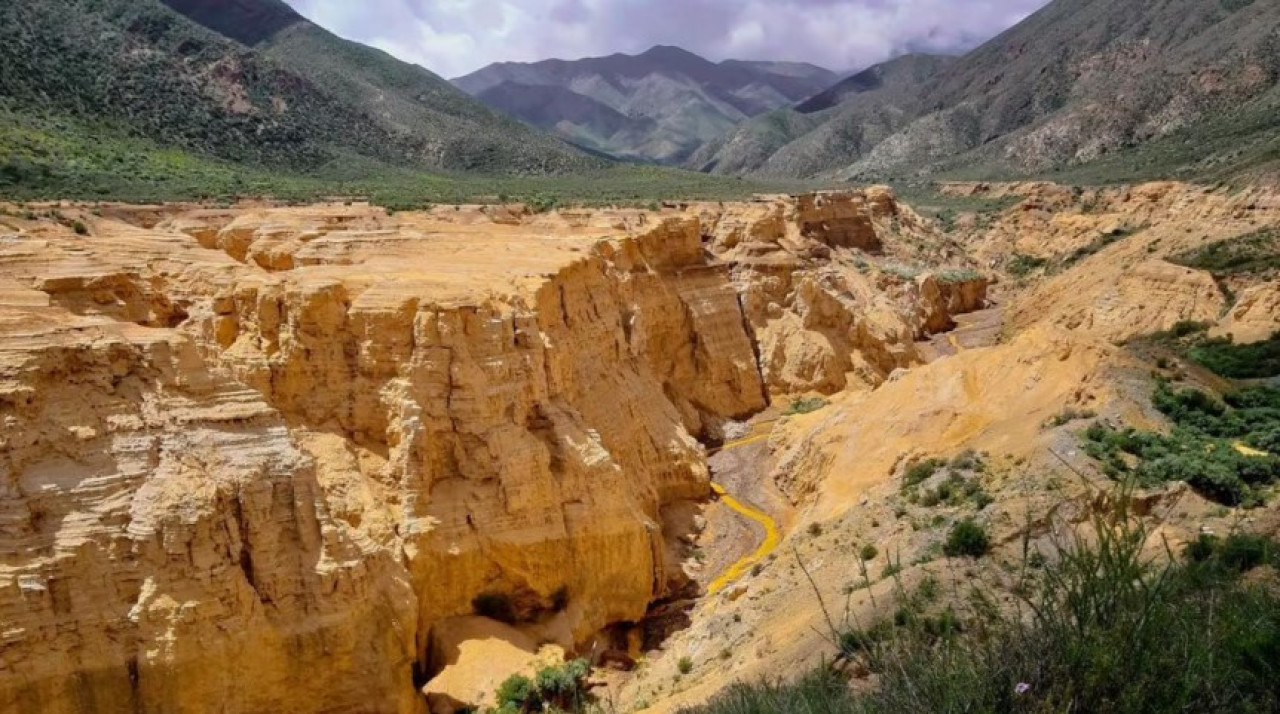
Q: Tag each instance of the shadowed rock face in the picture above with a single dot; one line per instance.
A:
(255, 456)
(245, 21)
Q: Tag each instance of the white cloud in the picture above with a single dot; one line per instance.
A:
(454, 37)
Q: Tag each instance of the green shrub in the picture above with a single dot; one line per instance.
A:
(967, 538)
(1201, 549)
(968, 460)
(869, 552)
(921, 472)
(560, 688)
(517, 693)
(684, 665)
(1258, 360)
(1243, 552)
(1250, 254)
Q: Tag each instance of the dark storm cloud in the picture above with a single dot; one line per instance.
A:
(453, 37)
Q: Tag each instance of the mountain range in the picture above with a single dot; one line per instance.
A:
(252, 82)
(1088, 91)
(660, 105)
(1100, 89)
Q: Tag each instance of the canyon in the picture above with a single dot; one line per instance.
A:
(279, 457)
(339, 458)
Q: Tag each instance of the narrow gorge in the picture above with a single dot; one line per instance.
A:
(282, 457)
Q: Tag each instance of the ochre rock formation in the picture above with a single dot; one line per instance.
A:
(1255, 316)
(251, 458)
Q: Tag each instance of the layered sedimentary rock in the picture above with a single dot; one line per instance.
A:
(254, 457)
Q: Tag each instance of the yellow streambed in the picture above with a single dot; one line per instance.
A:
(771, 536)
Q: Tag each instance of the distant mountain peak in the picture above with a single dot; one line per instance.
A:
(680, 99)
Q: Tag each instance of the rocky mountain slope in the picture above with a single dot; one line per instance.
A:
(1173, 87)
(278, 458)
(252, 82)
(656, 106)
(852, 116)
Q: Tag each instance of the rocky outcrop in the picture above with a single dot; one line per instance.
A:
(827, 313)
(257, 458)
(1255, 316)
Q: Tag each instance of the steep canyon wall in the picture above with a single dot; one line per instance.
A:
(251, 457)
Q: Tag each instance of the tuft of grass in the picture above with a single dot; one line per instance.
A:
(1021, 266)
(805, 405)
(1068, 415)
(960, 275)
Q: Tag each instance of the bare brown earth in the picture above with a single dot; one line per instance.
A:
(268, 457)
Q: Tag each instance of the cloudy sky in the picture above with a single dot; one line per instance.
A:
(454, 37)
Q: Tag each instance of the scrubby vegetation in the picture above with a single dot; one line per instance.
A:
(921, 472)
(1257, 360)
(1226, 450)
(954, 489)
(561, 688)
(959, 276)
(804, 405)
(1253, 253)
(129, 100)
(1098, 244)
(1107, 631)
(967, 538)
(1221, 355)
(1068, 415)
(1020, 266)
(53, 157)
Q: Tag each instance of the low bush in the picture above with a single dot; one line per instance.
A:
(967, 538)
(921, 472)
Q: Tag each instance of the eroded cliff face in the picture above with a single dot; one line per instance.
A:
(252, 457)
